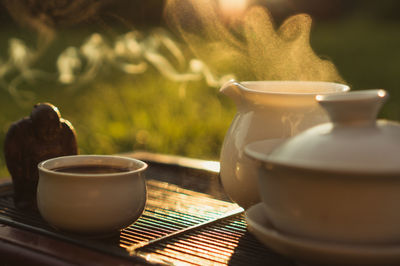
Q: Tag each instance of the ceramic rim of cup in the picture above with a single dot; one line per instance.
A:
(136, 166)
(329, 87)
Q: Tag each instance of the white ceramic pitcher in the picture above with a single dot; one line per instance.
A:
(272, 110)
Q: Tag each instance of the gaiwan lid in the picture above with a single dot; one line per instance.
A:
(353, 141)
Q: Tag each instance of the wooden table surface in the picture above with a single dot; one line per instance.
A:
(22, 247)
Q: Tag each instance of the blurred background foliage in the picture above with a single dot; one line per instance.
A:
(116, 112)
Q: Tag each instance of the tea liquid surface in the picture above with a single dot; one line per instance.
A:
(91, 169)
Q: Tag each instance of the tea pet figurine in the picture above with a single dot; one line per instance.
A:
(31, 140)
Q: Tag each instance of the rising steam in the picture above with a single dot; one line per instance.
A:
(249, 45)
(228, 39)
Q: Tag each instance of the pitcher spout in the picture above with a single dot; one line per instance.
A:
(233, 89)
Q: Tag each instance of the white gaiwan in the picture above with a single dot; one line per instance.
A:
(337, 181)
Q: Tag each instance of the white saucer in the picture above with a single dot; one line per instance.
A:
(318, 252)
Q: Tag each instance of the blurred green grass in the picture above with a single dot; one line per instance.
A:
(120, 113)
(366, 52)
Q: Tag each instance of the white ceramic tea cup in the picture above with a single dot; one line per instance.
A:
(91, 203)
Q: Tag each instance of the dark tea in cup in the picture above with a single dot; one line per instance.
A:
(92, 169)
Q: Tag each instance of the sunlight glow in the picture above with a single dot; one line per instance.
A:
(381, 93)
(211, 166)
(233, 8)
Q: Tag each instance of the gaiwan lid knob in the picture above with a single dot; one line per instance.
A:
(355, 108)
(353, 141)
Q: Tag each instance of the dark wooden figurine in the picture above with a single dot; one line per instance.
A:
(33, 139)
